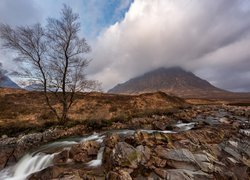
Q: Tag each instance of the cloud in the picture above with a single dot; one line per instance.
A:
(94, 15)
(208, 38)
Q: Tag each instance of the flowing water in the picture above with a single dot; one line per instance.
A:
(43, 156)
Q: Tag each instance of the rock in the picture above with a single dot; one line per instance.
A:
(62, 157)
(125, 155)
(183, 174)
(4, 136)
(178, 158)
(158, 162)
(159, 125)
(121, 175)
(151, 138)
(245, 132)
(112, 140)
(206, 135)
(145, 153)
(161, 172)
(52, 172)
(5, 155)
(51, 135)
(84, 152)
(27, 142)
(225, 120)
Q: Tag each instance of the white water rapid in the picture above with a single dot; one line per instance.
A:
(26, 166)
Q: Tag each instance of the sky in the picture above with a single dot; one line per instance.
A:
(131, 37)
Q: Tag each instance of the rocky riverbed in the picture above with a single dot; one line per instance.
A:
(199, 142)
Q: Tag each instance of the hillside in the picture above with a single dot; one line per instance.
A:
(6, 82)
(25, 109)
(174, 81)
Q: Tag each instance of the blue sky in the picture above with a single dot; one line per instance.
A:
(95, 15)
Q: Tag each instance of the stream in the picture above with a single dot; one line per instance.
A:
(42, 157)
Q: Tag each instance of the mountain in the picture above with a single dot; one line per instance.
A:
(5, 81)
(173, 80)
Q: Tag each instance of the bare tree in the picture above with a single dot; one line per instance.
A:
(53, 57)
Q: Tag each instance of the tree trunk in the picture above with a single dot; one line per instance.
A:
(64, 116)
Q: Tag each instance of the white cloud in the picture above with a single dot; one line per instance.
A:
(197, 35)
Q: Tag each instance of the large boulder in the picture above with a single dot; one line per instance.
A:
(125, 155)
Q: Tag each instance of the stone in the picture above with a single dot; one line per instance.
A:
(183, 174)
(26, 142)
(112, 140)
(84, 152)
(145, 153)
(125, 155)
(178, 158)
(5, 154)
(121, 175)
(225, 120)
(62, 157)
(159, 125)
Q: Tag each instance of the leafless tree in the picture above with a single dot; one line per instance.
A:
(52, 57)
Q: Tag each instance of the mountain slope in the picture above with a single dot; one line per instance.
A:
(170, 80)
(6, 82)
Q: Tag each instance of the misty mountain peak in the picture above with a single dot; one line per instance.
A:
(174, 80)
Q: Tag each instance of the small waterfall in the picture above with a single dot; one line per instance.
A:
(98, 161)
(27, 165)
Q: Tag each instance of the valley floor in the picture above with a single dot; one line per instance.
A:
(195, 142)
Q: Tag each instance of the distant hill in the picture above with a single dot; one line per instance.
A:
(175, 81)
(6, 82)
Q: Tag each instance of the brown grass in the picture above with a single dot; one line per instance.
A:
(25, 111)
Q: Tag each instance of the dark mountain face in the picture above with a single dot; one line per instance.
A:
(170, 80)
(6, 82)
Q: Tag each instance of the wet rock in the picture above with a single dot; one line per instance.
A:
(245, 132)
(52, 172)
(27, 142)
(5, 156)
(159, 125)
(112, 140)
(4, 136)
(120, 175)
(62, 157)
(125, 155)
(84, 152)
(51, 135)
(225, 120)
